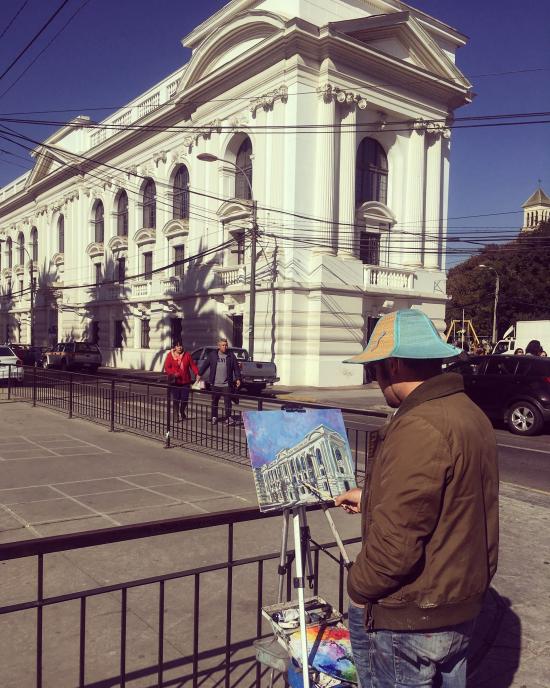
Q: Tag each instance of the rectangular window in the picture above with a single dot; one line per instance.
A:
(145, 329)
(94, 334)
(179, 255)
(238, 250)
(8, 288)
(148, 265)
(121, 270)
(97, 274)
(369, 248)
(119, 334)
(237, 339)
(176, 329)
(21, 287)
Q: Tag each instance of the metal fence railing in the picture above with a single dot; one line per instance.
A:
(173, 628)
(146, 408)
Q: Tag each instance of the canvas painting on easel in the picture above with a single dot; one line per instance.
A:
(298, 458)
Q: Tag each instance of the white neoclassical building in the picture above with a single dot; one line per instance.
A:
(336, 112)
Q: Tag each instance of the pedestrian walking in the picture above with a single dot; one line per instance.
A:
(224, 377)
(429, 510)
(519, 352)
(178, 366)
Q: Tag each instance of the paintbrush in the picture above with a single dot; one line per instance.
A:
(318, 493)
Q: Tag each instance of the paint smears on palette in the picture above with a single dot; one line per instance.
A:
(298, 458)
(329, 650)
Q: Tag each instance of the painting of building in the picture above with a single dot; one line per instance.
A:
(290, 452)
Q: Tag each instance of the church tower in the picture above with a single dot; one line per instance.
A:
(536, 209)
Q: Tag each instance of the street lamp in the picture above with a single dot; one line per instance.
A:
(31, 270)
(208, 157)
(497, 288)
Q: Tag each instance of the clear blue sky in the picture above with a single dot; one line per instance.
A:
(113, 50)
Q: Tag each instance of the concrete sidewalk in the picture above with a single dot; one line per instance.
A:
(61, 476)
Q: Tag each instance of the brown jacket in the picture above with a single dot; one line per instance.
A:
(429, 513)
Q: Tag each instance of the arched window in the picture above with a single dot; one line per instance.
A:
(149, 205)
(122, 214)
(99, 223)
(181, 193)
(371, 173)
(243, 176)
(34, 244)
(21, 249)
(61, 234)
(9, 256)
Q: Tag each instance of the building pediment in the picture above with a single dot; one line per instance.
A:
(374, 212)
(242, 34)
(145, 235)
(234, 209)
(176, 228)
(95, 249)
(117, 243)
(402, 37)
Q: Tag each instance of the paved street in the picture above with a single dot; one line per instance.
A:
(62, 476)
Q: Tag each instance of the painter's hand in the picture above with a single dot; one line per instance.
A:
(350, 501)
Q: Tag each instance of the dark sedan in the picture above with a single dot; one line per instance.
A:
(513, 389)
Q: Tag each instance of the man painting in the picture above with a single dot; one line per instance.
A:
(429, 511)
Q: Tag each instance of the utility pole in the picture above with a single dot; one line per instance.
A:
(31, 268)
(495, 307)
(210, 157)
(252, 297)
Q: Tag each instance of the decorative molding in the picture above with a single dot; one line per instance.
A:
(58, 259)
(267, 100)
(438, 130)
(145, 235)
(95, 249)
(117, 243)
(204, 132)
(159, 157)
(329, 92)
(176, 228)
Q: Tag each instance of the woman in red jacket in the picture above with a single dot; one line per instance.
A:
(178, 366)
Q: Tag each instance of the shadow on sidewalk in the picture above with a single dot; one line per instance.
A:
(496, 646)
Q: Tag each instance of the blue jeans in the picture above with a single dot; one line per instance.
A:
(404, 659)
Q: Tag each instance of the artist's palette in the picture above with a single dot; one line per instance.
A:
(329, 650)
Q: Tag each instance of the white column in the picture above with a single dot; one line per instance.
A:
(325, 172)
(348, 147)
(432, 235)
(413, 225)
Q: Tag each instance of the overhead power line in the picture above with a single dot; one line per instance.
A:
(52, 40)
(13, 18)
(33, 39)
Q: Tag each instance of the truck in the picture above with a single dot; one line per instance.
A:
(73, 356)
(518, 336)
(255, 375)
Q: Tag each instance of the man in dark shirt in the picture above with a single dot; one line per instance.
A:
(224, 376)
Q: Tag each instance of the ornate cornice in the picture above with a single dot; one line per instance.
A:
(329, 92)
(145, 235)
(204, 132)
(117, 243)
(176, 227)
(267, 100)
(95, 249)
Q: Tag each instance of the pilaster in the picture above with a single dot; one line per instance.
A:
(414, 224)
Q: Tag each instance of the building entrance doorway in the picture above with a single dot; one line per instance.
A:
(237, 338)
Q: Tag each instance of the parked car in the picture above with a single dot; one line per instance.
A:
(256, 375)
(513, 389)
(73, 356)
(11, 367)
(28, 355)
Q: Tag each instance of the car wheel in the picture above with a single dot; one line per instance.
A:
(524, 418)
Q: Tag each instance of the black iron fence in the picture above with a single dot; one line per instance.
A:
(88, 637)
(148, 408)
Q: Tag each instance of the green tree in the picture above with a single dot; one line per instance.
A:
(523, 267)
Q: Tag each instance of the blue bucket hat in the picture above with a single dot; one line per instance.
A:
(405, 334)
